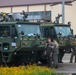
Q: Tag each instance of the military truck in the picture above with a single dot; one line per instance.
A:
(20, 41)
(23, 42)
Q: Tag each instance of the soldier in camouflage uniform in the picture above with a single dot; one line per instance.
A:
(49, 47)
(55, 53)
(73, 54)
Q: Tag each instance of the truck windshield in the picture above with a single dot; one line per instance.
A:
(64, 31)
(29, 30)
(4, 31)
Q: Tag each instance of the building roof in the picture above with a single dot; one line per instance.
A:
(4, 3)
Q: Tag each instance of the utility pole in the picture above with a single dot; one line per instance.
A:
(63, 11)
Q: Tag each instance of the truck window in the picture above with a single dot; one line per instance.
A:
(4, 31)
(52, 32)
(45, 32)
(48, 32)
(13, 31)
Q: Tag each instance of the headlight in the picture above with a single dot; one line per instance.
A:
(74, 42)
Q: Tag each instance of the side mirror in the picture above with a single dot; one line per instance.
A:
(37, 36)
(75, 36)
(22, 33)
(60, 33)
(72, 31)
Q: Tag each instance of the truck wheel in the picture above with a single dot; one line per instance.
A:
(0, 59)
(43, 61)
(29, 58)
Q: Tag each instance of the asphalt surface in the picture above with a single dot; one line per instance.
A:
(66, 67)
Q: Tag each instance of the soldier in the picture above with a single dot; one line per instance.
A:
(49, 46)
(73, 54)
(55, 53)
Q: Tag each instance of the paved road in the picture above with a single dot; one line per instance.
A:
(66, 67)
(66, 58)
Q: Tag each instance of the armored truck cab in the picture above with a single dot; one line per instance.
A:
(61, 32)
(20, 42)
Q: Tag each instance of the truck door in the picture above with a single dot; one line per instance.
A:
(48, 32)
(15, 43)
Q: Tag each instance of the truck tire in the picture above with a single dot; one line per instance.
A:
(0, 59)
